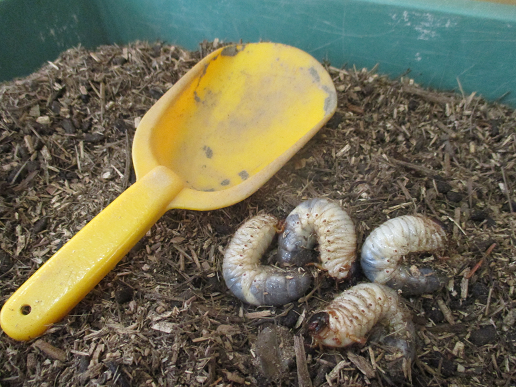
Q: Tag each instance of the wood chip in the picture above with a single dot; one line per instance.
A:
(259, 314)
(228, 330)
(334, 373)
(51, 351)
(303, 376)
(234, 377)
(362, 364)
(446, 311)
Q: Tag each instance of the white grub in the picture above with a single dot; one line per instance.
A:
(323, 222)
(387, 244)
(252, 282)
(352, 315)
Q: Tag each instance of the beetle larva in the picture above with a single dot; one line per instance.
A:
(252, 282)
(352, 314)
(323, 222)
(388, 243)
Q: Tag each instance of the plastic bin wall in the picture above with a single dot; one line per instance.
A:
(440, 43)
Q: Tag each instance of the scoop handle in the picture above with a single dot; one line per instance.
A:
(65, 279)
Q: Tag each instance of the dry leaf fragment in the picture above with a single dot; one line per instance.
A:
(163, 326)
(34, 111)
(509, 320)
(300, 164)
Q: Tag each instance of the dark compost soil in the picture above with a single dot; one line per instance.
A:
(164, 316)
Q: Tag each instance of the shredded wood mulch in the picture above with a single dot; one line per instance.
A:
(164, 316)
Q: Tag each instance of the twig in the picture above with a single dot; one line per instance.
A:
(334, 373)
(419, 168)
(308, 296)
(479, 263)
(458, 225)
(19, 171)
(488, 303)
(507, 192)
(470, 192)
(428, 95)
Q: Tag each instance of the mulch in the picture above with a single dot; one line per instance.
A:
(164, 317)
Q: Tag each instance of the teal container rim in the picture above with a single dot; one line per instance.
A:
(441, 42)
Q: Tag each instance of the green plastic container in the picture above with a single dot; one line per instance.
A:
(441, 42)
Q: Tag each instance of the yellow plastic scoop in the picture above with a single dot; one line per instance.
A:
(211, 141)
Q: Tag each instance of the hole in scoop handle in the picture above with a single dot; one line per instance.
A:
(70, 274)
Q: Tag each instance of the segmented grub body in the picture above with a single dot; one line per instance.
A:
(387, 244)
(352, 314)
(323, 222)
(252, 282)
